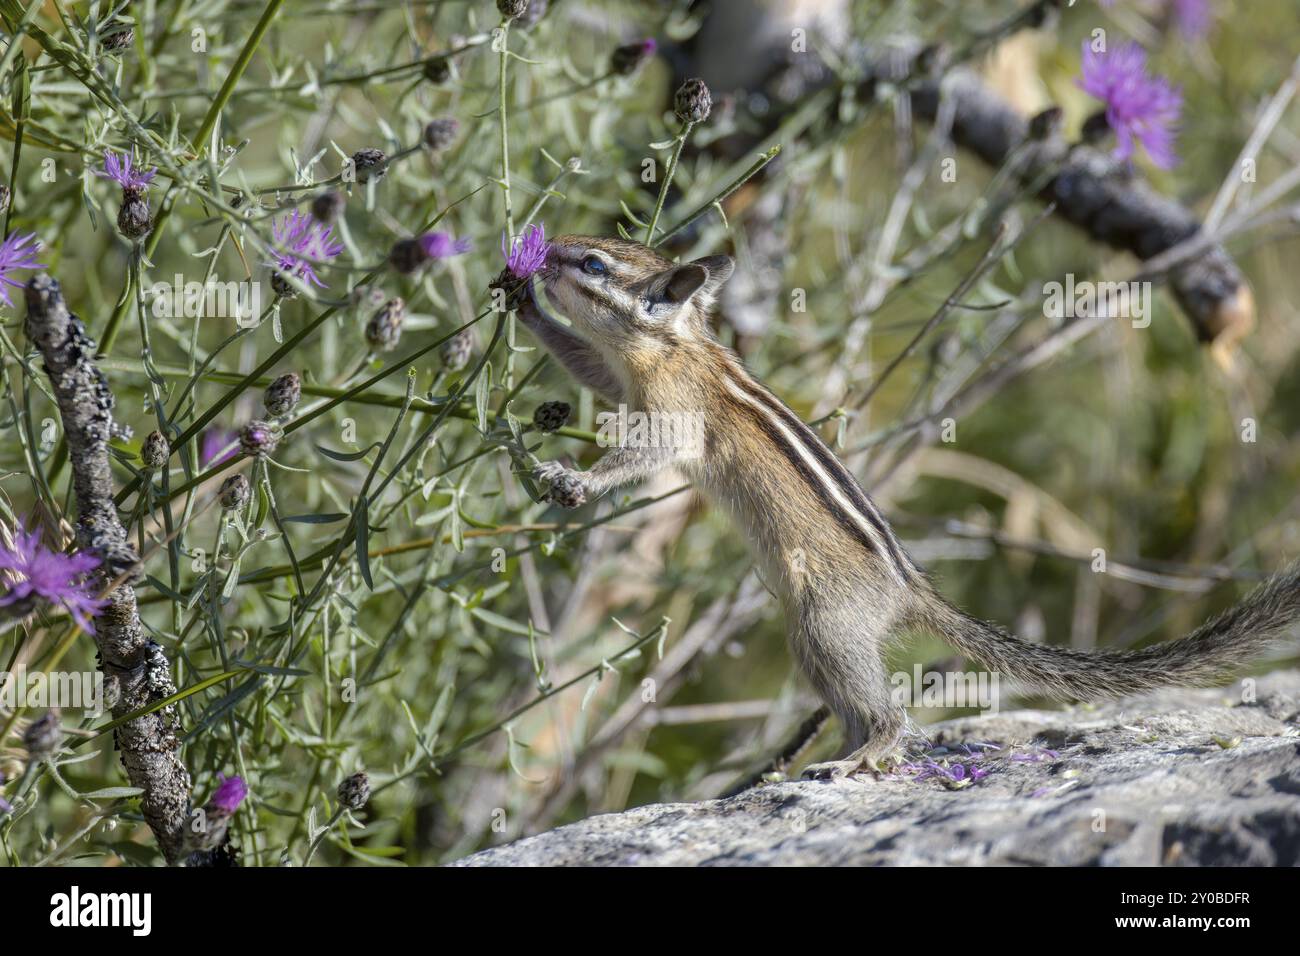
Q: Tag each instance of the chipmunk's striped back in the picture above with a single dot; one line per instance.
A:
(842, 499)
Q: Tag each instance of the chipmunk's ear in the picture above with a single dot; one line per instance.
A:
(675, 286)
(719, 269)
(698, 280)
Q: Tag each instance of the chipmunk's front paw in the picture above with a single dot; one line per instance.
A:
(567, 487)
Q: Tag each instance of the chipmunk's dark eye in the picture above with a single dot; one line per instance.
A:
(593, 266)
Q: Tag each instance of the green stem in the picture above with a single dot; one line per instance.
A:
(739, 181)
(668, 180)
(505, 134)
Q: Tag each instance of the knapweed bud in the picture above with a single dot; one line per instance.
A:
(235, 492)
(628, 58)
(327, 206)
(154, 450)
(282, 395)
(119, 39)
(134, 221)
(406, 256)
(512, 9)
(6, 194)
(369, 163)
(384, 329)
(551, 416)
(43, 735)
(456, 351)
(693, 101)
(441, 133)
(207, 831)
(282, 286)
(354, 791)
(258, 438)
(438, 70)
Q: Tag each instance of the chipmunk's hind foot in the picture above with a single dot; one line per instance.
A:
(869, 759)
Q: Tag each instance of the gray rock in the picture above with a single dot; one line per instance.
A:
(1181, 777)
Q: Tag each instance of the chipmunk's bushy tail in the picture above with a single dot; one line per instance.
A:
(1209, 655)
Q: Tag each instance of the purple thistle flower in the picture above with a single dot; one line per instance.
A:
(17, 252)
(526, 253)
(217, 446)
(440, 245)
(1139, 107)
(303, 243)
(119, 170)
(230, 793)
(51, 575)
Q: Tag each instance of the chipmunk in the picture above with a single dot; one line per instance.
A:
(640, 336)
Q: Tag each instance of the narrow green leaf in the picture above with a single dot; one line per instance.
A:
(363, 541)
(347, 455)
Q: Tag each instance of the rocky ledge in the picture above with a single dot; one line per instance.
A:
(1181, 777)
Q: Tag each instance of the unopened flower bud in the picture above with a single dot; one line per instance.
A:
(43, 735)
(282, 286)
(354, 791)
(134, 221)
(258, 438)
(154, 450)
(457, 350)
(441, 133)
(406, 256)
(438, 70)
(629, 57)
(384, 329)
(327, 206)
(369, 163)
(118, 40)
(282, 395)
(551, 416)
(512, 9)
(693, 101)
(5, 195)
(235, 492)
